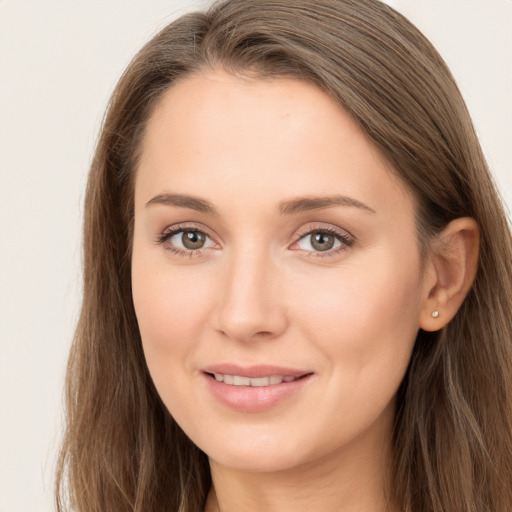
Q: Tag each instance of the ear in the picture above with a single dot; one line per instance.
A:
(450, 272)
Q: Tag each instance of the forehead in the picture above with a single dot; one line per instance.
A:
(237, 138)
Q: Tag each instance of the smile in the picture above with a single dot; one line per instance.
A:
(254, 389)
(238, 380)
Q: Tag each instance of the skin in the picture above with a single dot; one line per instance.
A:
(259, 293)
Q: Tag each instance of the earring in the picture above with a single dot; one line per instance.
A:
(435, 313)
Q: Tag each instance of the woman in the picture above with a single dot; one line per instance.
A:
(296, 277)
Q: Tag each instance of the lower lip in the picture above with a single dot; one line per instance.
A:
(257, 398)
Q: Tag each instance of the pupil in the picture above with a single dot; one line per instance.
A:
(193, 240)
(322, 241)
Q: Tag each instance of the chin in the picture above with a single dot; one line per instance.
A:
(258, 454)
(258, 462)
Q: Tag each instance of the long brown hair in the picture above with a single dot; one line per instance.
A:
(453, 435)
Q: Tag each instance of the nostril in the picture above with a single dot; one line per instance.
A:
(263, 334)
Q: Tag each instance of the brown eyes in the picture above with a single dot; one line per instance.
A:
(193, 240)
(189, 241)
(185, 241)
(322, 241)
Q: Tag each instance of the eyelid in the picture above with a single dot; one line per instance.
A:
(163, 237)
(185, 226)
(327, 228)
(342, 235)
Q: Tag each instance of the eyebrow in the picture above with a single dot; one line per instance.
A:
(309, 203)
(183, 201)
(290, 207)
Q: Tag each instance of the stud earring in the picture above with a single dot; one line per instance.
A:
(435, 313)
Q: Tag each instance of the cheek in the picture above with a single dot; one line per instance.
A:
(172, 310)
(364, 322)
(364, 316)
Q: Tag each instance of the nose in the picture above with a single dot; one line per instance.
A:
(251, 303)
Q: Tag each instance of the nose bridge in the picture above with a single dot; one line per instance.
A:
(250, 305)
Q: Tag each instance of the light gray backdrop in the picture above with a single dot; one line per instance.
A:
(59, 61)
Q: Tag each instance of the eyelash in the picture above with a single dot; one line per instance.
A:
(170, 232)
(345, 239)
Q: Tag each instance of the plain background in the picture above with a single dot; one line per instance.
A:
(59, 61)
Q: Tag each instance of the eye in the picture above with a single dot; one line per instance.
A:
(319, 241)
(191, 240)
(324, 240)
(185, 241)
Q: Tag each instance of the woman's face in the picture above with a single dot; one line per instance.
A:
(276, 273)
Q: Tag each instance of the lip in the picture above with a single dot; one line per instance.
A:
(255, 371)
(251, 399)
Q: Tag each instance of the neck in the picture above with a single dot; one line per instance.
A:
(352, 480)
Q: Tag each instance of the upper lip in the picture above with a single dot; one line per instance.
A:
(255, 371)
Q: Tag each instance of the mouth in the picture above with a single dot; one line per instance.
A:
(254, 389)
(257, 382)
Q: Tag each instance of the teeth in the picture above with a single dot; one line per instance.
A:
(242, 381)
(238, 380)
(276, 380)
(262, 381)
